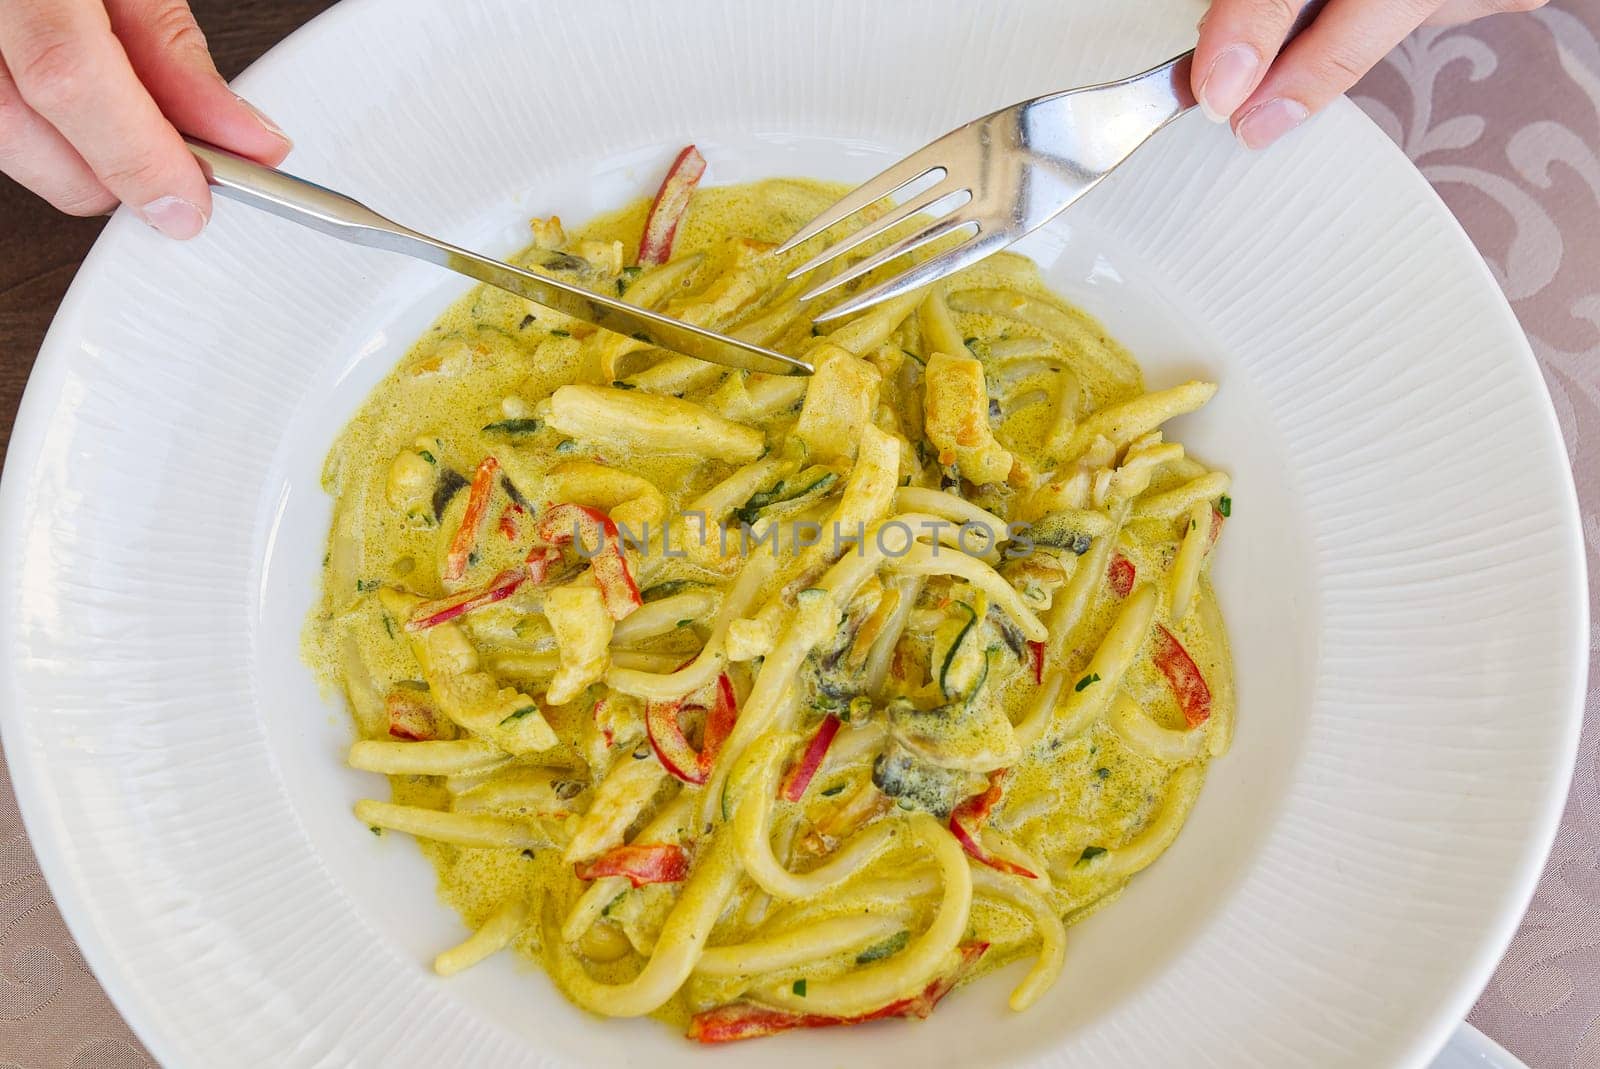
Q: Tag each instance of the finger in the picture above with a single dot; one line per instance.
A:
(168, 53)
(1238, 39)
(1347, 39)
(39, 158)
(73, 73)
(1457, 11)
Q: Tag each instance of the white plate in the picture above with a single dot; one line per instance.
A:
(1402, 574)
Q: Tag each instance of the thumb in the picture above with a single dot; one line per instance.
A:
(168, 53)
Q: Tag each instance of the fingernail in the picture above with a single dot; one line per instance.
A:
(271, 127)
(174, 217)
(1268, 121)
(1229, 81)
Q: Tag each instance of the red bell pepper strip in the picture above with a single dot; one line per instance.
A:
(466, 536)
(746, 1020)
(921, 1005)
(1187, 684)
(672, 200)
(510, 526)
(540, 560)
(641, 864)
(672, 747)
(617, 588)
(443, 610)
(562, 525)
(969, 816)
(799, 777)
(720, 719)
(593, 530)
(1121, 573)
(410, 717)
(1217, 520)
(1036, 658)
(677, 756)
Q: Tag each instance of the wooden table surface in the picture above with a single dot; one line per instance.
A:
(1477, 109)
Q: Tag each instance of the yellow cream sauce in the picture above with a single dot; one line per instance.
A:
(490, 362)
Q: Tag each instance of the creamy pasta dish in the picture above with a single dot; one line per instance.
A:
(761, 702)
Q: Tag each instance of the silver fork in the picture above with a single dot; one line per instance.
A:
(1001, 177)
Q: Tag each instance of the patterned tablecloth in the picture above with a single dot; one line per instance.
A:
(1503, 117)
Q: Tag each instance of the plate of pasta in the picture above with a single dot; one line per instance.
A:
(1158, 644)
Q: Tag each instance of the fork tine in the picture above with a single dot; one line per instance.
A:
(932, 232)
(890, 181)
(944, 265)
(926, 199)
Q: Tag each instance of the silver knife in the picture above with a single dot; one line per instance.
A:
(335, 214)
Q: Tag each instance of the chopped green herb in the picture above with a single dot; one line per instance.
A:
(835, 706)
(685, 623)
(519, 714)
(565, 261)
(1225, 505)
(366, 586)
(472, 559)
(529, 854)
(557, 332)
(831, 791)
(640, 335)
(566, 446)
(375, 830)
(1087, 680)
(915, 358)
(786, 490)
(527, 321)
(816, 331)
(388, 625)
(667, 589)
(799, 988)
(620, 385)
(514, 426)
(1103, 772)
(1191, 525)
(450, 483)
(612, 904)
(627, 277)
(878, 951)
(425, 455)
(1090, 853)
